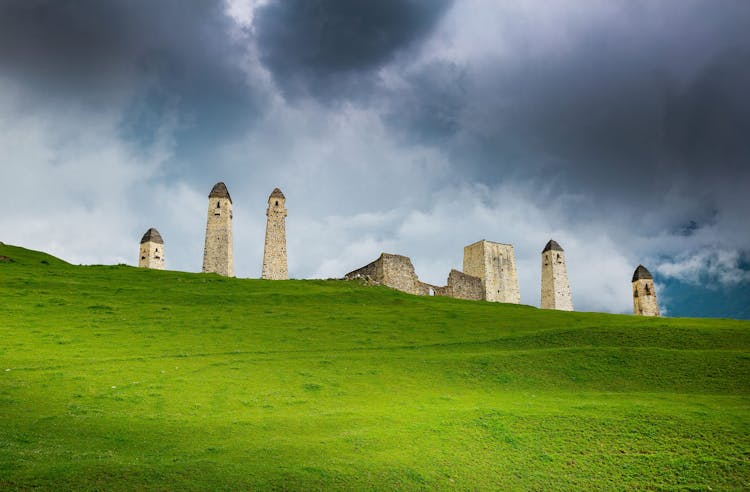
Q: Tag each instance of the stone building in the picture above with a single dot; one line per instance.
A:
(644, 294)
(555, 285)
(495, 264)
(274, 250)
(394, 271)
(218, 254)
(151, 252)
(462, 286)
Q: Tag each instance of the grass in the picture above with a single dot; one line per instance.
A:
(113, 377)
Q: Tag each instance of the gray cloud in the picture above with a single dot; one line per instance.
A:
(330, 48)
(642, 107)
(154, 59)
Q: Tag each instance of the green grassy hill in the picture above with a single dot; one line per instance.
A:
(113, 377)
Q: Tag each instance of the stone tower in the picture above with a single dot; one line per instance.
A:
(218, 255)
(274, 251)
(644, 294)
(151, 254)
(555, 285)
(495, 264)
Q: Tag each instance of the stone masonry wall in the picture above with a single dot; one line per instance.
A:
(644, 298)
(394, 271)
(495, 264)
(399, 273)
(462, 286)
(151, 255)
(218, 254)
(372, 271)
(274, 251)
(555, 285)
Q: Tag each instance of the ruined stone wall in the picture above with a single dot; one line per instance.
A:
(555, 285)
(394, 271)
(151, 255)
(644, 298)
(462, 286)
(274, 250)
(218, 254)
(398, 273)
(372, 272)
(495, 264)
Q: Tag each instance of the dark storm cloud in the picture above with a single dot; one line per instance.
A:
(429, 108)
(330, 48)
(628, 106)
(164, 55)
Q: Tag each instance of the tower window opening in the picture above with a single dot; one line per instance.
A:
(635, 293)
(218, 204)
(648, 291)
(558, 257)
(277, 203)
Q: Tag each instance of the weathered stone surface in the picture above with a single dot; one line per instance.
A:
(218, 253)
(274, 250)
(495, 264)
(394, 271)
(641, 273)
(220, 191)
(462, 286)
(152, 235)
(151, 251)
(644, 293)
(555, 285)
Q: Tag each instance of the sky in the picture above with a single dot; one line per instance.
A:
(619, 128)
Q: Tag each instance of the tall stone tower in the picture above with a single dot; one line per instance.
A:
(274, 251)
(151, 253)
(555, 285)
(218, 255)
(495, 264)
(644, 294)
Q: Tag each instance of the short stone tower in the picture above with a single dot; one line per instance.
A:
(555, 285)
(274, 251)
(495, 264)
(218, 255)
(644, 294)
(151, 254)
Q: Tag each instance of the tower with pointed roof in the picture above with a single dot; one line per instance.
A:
(555, 285)
(151, 252)
(495, 264)
(218, 254)
(274, 250)
(644, 293)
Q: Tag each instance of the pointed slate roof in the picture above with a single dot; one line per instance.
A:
(153, 236)
(276, 193)
(552, 246)
(641, 274)
(220, 191)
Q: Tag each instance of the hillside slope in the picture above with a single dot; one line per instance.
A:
(118, 378)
